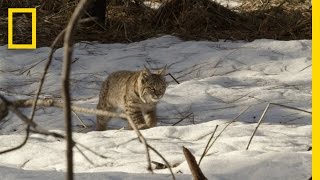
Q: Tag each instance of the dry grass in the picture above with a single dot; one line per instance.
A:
(188, 19)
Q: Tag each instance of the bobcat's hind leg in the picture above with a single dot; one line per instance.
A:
(102, 121)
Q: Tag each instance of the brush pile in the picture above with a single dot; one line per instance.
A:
(129, 21)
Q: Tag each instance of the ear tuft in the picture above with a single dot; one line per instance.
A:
(163, 71)
(145, 72)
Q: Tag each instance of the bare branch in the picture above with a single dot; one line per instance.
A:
(52, 50)
(206, 148)
(34, 103)
(85, 156)
(289, 107)
(264, 113)
(39, 130)
(68, 50)
(20, 145)
(24, 118)
(50, 102)
(17, 112)
(167, 163)
(182, 119)
(142, 140)
(147, 146)
(174, 78)
(68, 44)
(90, 150)
(59, 104)
(234, 120)
(83, 124)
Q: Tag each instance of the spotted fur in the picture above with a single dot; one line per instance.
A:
(136, 93)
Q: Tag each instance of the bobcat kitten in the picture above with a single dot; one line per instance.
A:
(135, 93)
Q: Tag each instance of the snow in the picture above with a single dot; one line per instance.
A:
(217, 81)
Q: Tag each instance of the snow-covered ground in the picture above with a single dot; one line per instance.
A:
(217, 81)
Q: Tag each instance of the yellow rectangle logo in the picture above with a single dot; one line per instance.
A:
(10, 28)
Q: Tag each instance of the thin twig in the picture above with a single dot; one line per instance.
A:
(68, 50)
(17, 112)
(289, 107)
(234, 120)
(142, 140)
(264, 113)
(48, 133)
(32, 66)
(182, 119)
(52, 50)
(174, 78)
(90, 150)
(51, 102)
(27, 121)
(84, 125)
(48, 102)
(85, 156)
(167, 163)
(19, 146)
(76, 144)
(37, 94)
(40, 130)
(57, 135)
(205, 149)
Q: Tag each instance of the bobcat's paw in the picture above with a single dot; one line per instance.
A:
(100, 128)
(142, 126)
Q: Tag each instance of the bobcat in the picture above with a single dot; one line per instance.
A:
(135, 93)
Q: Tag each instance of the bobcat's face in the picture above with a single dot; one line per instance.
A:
(153, 86)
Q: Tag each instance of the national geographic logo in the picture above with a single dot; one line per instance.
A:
(33, 12)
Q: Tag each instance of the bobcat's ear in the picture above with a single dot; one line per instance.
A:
(145, 72)
(163, 71)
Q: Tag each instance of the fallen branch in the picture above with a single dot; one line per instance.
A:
(45, 71)
(4, 112)
(39, 130)
(59, 104)
(142, 140)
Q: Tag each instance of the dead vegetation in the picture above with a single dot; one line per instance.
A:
(129, 21)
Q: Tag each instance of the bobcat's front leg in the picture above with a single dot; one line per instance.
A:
(150, 118)
(135, 115)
